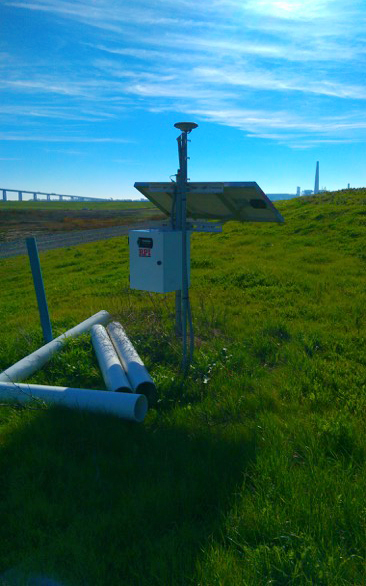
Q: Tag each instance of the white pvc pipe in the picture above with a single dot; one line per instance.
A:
(140, 380)
(126, 405)
(112, 370)
(33, 362)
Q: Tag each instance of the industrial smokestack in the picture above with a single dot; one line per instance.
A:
(316, 186)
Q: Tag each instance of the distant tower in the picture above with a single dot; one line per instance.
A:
(316, 186)
(349, 185)
(298, 191)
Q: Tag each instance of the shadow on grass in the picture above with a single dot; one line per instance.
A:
(92, 500)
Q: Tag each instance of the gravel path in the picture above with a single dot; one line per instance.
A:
(49, 241)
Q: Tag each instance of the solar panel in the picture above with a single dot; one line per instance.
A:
(243, 201)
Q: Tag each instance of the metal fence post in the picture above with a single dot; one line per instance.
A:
(39, 288)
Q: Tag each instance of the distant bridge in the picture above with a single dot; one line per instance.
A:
(48, 195)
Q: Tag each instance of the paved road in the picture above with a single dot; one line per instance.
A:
(49, 241)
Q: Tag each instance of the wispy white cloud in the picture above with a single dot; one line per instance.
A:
(71, 152)
(178, 91)
(311, 48)
(115, 70)
(169, 53)
(71, 139)
(62, 113)
(281, 81)
(310, 144)
(108, 15)
(132, 52)
(288, 128)
(65, 88)
(89, 89)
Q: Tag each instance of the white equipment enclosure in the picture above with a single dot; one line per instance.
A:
(156, 260)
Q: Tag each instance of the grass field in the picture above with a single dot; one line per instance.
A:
(72, 205)
(251, 471)
(18, 220)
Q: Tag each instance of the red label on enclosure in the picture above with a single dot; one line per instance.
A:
(144, 252)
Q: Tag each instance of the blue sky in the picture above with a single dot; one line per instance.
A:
(91, 91)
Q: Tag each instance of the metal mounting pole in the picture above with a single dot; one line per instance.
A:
(178, 226)
(181, 297)
(181, 206)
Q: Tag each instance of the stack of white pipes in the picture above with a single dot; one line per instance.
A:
(112, 371)
(139, 379)
(121, 367)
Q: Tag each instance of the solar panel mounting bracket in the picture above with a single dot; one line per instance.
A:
(214, 227)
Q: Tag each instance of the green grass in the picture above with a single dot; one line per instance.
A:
(72, 205)
(249, 472)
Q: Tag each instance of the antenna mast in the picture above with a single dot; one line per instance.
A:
(182, 304)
